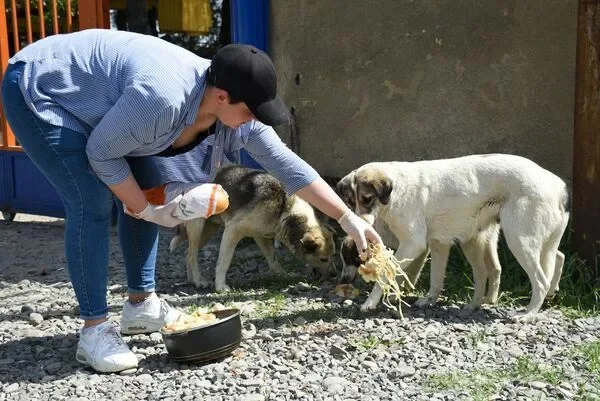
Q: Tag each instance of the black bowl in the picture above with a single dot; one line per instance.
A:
(206, 343)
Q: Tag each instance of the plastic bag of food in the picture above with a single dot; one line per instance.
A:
(203, 200)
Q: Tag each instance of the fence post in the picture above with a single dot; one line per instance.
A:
(586, 147)
(94, 14)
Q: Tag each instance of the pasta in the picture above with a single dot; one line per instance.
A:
(383, 268)
(185, 322)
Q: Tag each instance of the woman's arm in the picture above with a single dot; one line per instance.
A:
(297, 176)
(321, 196)
(130, 194)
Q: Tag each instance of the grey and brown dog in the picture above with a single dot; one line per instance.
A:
(259, 208)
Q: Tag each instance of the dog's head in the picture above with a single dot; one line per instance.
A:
(308, 237)
(350, 260)
(364, 190)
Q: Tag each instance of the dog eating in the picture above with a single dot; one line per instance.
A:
(430, 205)
(258, 208)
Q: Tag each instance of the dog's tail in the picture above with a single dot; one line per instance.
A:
(180, 236)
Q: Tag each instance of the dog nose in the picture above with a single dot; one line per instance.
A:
(324, 260)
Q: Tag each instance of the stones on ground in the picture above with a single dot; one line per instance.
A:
(335, 385)
(302, 350)
(11, 388)
(36, 318)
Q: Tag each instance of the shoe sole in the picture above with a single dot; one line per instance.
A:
(82, 357)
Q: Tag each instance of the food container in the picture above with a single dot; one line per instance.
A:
(208, 342)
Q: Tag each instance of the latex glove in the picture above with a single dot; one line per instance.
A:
(161, 215)
(360, 231)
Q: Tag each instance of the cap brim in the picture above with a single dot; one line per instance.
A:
(273, 112)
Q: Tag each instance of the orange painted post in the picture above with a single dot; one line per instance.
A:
(15, 25)
(69, 19)
(8, 139)
(28, 21)
(41, 15)
(94, 14)
(586, 147)
(55, 16)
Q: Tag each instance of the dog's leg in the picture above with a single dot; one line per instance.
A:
(439, 259)
(199, 232)
(407, 250)
(522, 237)
(267, 247)
(558, 268)
(210, 228)
(373, 299)
(559, 257)
(493, 267)
(229, 241)
(474, 250)
(414, 268)
(178, 238)
(560, 262)
(194, 229)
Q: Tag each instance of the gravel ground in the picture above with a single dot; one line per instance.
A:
(300, 340)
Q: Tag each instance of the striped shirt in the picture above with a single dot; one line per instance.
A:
(132, 95)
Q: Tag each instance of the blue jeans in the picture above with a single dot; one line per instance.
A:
(60, 155)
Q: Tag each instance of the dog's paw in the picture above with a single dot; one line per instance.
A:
(525, 317)
(201, 283)
(368, 305)
(488, 300)
(222, 288)
(426, 301)
(471, 307)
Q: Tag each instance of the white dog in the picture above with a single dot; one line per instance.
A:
(430, 205)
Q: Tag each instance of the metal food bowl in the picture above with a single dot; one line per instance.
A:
(206, 343)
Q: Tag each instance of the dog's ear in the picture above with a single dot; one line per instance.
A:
(372, 181)
(309, 243)
(383, 188)
(345, 189)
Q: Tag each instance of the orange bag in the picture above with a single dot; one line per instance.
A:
(203, 201)
(156, 195)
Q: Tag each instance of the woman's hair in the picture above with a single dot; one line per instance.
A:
(211, 80)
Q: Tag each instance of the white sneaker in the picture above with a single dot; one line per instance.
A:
(147, 316)
(102, 348)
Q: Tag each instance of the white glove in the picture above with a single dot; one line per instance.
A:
(161, 215)
(360, 231)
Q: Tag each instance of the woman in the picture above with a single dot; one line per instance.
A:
(81, 103)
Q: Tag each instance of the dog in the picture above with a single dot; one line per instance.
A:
(258, 208)
(430, 205)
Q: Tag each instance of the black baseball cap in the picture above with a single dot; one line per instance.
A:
(248, 74)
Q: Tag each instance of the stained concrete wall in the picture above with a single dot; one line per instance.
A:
(423, 79)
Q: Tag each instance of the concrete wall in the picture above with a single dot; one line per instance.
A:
(424, 79)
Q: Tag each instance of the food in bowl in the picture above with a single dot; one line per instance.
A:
(186, 322)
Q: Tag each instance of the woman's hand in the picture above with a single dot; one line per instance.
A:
(161, 215)
(360, 231)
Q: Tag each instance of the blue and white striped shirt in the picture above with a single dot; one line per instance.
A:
(132, 95)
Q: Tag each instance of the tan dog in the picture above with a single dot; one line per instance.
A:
(258, 208)
(430, 205)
